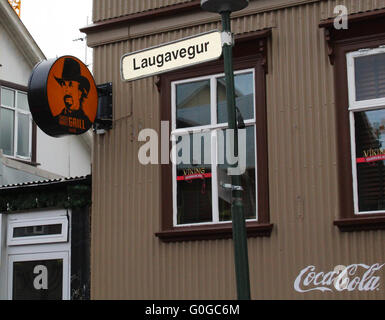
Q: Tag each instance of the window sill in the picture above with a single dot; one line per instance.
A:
(213, 232)
(24, 161)
(367, 223)
(28, 162)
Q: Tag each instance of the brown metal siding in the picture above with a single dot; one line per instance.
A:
(107, 9)
(129, 262)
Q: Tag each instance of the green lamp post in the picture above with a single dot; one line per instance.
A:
(224, 8)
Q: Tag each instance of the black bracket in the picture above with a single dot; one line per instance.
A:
(240, 122)
(104, 117)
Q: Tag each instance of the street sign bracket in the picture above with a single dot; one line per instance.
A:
(227, 38)
(231, 187)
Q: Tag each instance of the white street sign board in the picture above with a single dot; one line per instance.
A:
(171, 56)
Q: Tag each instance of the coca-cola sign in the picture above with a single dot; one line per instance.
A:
(356, 277)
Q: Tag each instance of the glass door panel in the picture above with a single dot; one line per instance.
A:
(42, 276)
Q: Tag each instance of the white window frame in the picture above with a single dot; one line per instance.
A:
(18, 111)
(55, 238)
(213, 127)
(36, 250)
(1, 238)
(364, 104)
(64, 255)
(359, 106)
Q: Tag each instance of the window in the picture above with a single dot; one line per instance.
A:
(195, 205)
(366, 76)
(358, 56)
(199, 129)
(32, 231)
(15, 124)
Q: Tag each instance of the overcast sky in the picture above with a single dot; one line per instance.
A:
(54, 24)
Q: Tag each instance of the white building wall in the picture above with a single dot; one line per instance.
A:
(14, 65)
(69, 156)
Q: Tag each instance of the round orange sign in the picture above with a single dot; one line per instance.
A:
(63, 97)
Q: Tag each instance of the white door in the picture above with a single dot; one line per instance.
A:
(38, 256)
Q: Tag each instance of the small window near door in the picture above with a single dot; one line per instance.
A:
(35, 231)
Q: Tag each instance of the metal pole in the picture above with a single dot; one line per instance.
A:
(239, 224)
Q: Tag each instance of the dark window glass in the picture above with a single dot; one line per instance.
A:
(7, 97)
(23, 135)
(370, 77)
(193, 104)
(244, 97)
(370, 150)
(38, 280)
(22, 101)
(247, 179)
(194, 191)
(35, 231)
(7, 127)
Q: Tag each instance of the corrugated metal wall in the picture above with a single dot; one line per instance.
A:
(129, 262)
(106, 9)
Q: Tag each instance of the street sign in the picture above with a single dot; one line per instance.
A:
(171, 56)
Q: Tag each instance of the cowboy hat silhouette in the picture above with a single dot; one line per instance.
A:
(71, 72)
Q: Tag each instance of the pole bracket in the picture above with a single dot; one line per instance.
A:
(227, 39)
(229, 186)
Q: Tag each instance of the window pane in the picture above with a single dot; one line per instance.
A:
(370, 77)
(6, 131)
(193, 104)
(370, 150)
(23, 139)
(7, 97)
(248, 178)
(244, 97)
(38, 280)
(194, 193)
(22, 101)
(37, 231)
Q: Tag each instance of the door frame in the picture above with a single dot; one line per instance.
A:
(53, 255)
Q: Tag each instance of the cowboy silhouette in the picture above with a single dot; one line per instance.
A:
(75, 89)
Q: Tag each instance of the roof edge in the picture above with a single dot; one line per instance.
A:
(355, 17)
(17, 165)
(37, 184)
(20, 34)
(141, 16)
